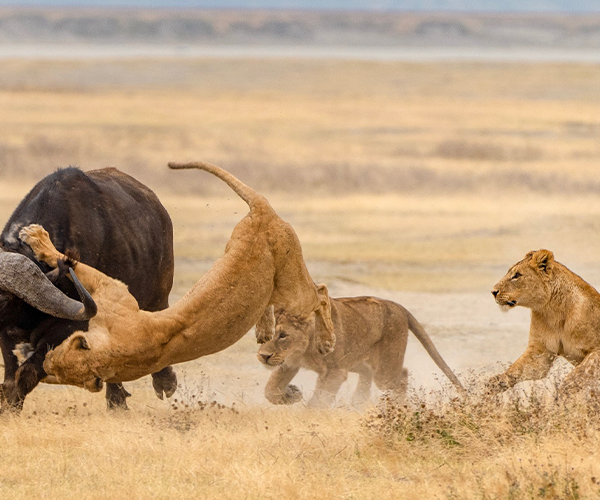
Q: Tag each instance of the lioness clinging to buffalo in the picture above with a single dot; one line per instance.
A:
(371, 336)
(262, 266)
(565, 321)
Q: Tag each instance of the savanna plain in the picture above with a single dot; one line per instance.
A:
(421, 183)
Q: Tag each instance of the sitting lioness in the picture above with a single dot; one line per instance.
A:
(371, 336)
(565, 321)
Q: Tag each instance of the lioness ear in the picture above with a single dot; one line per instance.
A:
(324, 309)
(543, 259)
(80, 342)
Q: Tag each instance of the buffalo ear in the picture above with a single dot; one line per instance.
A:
(543, 260)
(81, 343)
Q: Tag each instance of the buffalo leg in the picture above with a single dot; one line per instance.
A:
(116, 397)
(164, 381)
(28, 376)
(7, 345)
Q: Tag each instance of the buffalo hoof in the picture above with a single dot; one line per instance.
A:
(10, 403)
(116, 397)
(164, 381)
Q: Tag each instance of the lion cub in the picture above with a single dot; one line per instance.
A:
(565, 321)
(371, 336)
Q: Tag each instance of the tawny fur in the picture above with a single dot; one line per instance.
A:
(371, 337)
(565, 321)
(262, 265)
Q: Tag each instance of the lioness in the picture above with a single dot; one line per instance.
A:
(371, 336)
(565, 321)
(262, 266)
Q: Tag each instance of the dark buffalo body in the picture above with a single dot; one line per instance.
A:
(111, 222)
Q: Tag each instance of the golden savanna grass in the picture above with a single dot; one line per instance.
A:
(417, 182)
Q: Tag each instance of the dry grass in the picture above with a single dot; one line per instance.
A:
(533, 443)
(426, 180)
(66, 446)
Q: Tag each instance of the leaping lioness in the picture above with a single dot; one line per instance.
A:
(262, 266)
(565, 321)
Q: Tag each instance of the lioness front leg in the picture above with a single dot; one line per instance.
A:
(327, 387)
(265, 327)
(44, 250)
(533, 364)
(277, 390)
(39, 241)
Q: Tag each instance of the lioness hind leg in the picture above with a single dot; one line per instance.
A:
(396, 380)
(396, 386)
(39, 241)
(265, 327)
(388, 360)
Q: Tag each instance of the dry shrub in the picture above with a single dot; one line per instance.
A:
(524, 444)
(481, 424)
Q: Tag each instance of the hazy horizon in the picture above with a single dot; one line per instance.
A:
(557, 6)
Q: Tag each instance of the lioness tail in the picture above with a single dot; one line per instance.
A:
(245, 192)
(423, 337)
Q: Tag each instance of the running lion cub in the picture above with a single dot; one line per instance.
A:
(371, 336)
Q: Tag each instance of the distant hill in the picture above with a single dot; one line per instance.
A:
(296, 27)
(568, 6)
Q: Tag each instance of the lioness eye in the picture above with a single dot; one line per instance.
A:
(282, 335)
(516, 276)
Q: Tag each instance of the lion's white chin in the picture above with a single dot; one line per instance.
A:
(506, 307)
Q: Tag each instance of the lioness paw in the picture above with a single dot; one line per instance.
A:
(293, 394)
(497, 384)
(290, 396)
(38, 240)
(325, 346)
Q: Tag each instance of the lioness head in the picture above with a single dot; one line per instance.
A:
(527, 283)
(290, 339)
(77, 362)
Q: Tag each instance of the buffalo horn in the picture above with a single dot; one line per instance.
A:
(21, 277)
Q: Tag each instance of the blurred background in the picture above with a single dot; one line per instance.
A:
(419, 148)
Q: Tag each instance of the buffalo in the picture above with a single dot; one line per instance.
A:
(106, 219)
